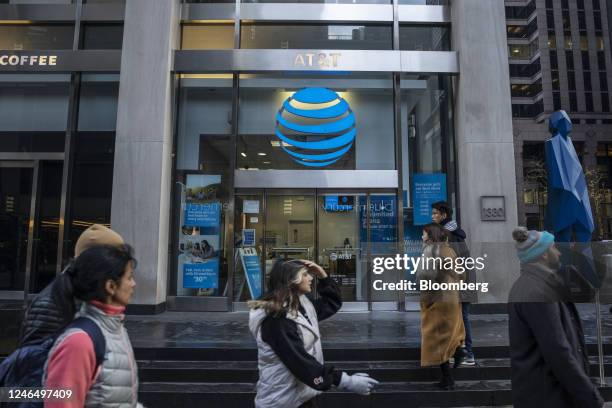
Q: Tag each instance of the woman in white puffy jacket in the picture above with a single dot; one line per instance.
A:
(285, 324)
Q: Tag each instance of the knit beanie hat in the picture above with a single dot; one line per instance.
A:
(530, 245)
(97, 235)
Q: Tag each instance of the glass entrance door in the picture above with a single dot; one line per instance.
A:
(29, 224)
(343, 232)
(342, 245)
(16, 226)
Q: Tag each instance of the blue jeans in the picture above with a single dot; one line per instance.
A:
(465, 311)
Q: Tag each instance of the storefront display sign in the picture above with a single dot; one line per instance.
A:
(202, 215)
(202, 275)
(252, 270)
(199, 241)
(248, 237)
(250, 207)
(427, 189)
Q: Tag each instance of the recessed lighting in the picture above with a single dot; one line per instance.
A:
(243, 154)
(266, 162)
(261, 154)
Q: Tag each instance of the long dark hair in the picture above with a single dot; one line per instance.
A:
(95, 266)
(283, 288)
(436, 233)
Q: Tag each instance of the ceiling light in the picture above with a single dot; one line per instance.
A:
(261, 154)
(243, 154)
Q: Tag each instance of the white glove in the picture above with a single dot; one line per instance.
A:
(360, 383)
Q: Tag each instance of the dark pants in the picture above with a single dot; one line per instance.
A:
(309, 404)
(465, 312)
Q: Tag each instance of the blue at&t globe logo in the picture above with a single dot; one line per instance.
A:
(316, 127)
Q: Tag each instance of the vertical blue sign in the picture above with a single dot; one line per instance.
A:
(252, 270)
(427, 189)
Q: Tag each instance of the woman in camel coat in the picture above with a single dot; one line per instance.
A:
(442, 331)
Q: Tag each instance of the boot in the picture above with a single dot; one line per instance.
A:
(447, 382)
(460, 355)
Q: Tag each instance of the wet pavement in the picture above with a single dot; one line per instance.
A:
(350, 330)
(359, 329)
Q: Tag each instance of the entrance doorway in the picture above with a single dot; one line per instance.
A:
(342, 230)
(30, 194)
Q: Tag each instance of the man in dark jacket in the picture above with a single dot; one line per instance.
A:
(442, 214)
(547, 351)
(54, 307)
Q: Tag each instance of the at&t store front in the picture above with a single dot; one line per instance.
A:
(304, 154)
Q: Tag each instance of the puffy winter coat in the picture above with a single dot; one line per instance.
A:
(50, 311)
(277, 386)
(116, 385)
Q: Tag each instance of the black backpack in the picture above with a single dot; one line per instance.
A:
(23, 368)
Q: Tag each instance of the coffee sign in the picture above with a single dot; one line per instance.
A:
(28, 60)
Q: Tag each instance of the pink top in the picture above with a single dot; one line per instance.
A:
(72, 364)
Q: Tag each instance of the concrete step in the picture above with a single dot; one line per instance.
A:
(246, 371)
(388, 395)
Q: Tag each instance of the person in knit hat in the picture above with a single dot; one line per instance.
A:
(54, 307)
(548, 356)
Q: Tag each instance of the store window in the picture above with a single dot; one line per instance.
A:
(427, 135)
(204, 149)
(424, 38)
(33, 112)
(36, 37)
(319, 36)
(324, 1)
(526, 90)
(93, 158)
(102, 36)
(351, 129)
(207, 36)
(525, 51)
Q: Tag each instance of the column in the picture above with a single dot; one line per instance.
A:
(143, 148)
(485, 148)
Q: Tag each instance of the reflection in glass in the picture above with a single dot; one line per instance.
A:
(91, 201)
(427, 130)
(98, 102)
(341, 251)
(424, 38)
(46, 231)
(36, 37)
(33, 112)
(320, 36)
(207, 36)
(290, 229)
(102, 36)
(15, 196)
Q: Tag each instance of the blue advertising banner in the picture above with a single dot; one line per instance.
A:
(204, 275)
(427, 189)
(202, 215)
(252, 270)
